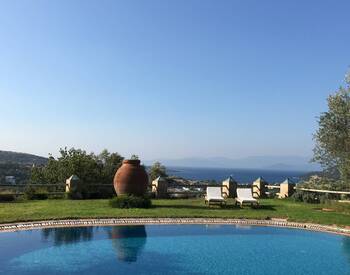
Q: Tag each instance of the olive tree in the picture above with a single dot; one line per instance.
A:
(157, 170)
(90, 168)
(332, 148)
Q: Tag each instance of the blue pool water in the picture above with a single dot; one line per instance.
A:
(174, 249)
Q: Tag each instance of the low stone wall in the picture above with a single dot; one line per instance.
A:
(11, 227)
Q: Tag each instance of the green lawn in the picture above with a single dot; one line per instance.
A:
(270, 208)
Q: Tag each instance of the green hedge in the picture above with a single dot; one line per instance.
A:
(310, 197)
(91, 192)
(36, 193)
(6, 197)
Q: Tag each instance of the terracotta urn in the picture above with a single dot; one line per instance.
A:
(131, 179)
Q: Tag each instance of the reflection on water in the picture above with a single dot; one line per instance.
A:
(68, 235)
(176, 249)
(346, 247)
(128, 241)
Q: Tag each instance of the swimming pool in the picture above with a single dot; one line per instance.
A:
(174, 249)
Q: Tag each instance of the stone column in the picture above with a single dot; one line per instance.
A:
(72, 184)
(229, 188)
(286, 189)
(259, 188)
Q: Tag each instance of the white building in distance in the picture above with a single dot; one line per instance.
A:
(10, 180)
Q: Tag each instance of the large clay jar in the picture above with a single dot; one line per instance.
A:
(131, 178)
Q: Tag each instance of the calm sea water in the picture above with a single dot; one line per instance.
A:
(240, 175)
(174, 249)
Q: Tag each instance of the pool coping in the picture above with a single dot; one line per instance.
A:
(12, 227)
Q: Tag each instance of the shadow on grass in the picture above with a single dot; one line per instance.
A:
(216, 207)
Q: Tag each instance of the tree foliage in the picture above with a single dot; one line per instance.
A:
(109, 164)
(134, 157)
(157, 170)
(332, 149)
(19, 171)
(90, 168)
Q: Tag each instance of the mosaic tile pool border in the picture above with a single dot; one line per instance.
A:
(10, 227)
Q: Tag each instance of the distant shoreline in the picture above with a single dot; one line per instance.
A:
(240, 175)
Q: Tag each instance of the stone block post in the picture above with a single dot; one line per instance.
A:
(160, 188)
(287, 188)
(229, 188)
(73, 184)
(259, 188)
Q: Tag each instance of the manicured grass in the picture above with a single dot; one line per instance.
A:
(270, 208)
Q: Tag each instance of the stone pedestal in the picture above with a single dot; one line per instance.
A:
(73, 184)
(286, 189)
(259, 188)
(229, 188)
(160, 188)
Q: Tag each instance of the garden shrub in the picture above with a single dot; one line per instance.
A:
(57, 196)
(307, 197)
(271, 195)
(101, 192)
(324, 198)
(130, 201)
(84, 192)
(344, 197)
(310, 198)
(298, 196)
(5, 197)
(36, 193)
(76, 195)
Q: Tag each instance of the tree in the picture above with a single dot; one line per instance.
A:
(110, 163)
(20, 171)
(332, 148)
(134, 157)
(90, 168)
(157, 170)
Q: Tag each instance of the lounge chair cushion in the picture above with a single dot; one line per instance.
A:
(245, 195)
(214, 194)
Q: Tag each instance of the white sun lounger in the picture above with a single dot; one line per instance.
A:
(244, 195)
(214, 195)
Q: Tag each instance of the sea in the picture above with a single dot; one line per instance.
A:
(240, 175)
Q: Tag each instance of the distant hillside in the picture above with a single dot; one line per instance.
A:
(21, 158)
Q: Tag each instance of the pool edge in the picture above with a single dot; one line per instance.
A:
(11, 227)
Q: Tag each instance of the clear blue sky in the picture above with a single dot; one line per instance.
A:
(169, 79)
